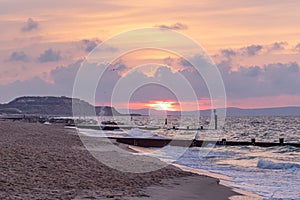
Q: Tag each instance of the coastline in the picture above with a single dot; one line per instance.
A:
(48, 161)
(241, 194)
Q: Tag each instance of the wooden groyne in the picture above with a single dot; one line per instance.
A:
(39, 119)
(128, 127)
(159, 143)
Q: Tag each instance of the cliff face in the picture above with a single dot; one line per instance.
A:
(59, 106)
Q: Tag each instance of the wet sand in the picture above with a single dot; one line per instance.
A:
(50, 162)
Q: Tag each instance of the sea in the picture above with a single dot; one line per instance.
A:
(270, 172)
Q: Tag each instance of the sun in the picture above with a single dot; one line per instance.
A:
(162, 105)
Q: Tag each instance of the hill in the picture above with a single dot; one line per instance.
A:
(54, 106)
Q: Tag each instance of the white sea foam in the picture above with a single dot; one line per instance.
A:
(266, 164)
(136, 132)
(271, 198)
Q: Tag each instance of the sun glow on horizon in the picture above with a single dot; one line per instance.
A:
(163, 105)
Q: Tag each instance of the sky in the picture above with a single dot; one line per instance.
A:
(254, 44)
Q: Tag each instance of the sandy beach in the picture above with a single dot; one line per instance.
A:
(50, 162)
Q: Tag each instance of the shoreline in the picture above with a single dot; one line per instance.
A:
(241, 194)
(244, 195)
(48, 161)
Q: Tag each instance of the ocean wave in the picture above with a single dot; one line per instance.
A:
(266, 164)
(136, 132)
(272, 198)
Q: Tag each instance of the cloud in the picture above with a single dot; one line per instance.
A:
(30, 25)
(275, 79)
(177, 62)
(228, 52)
(252, 50)
(64, 76)
(252, 71)
(183, 62)
(34, 86)
(49, 56)
(297, 47)
(244, 82)
(277, 46)
(62, 84)
(18, 56)
(177, 26)
(89, 45)
(259, 81)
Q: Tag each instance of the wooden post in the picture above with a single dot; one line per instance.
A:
(216, 119)
(193, 143)
(224, 141)
(166, 121)
(281, 141)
